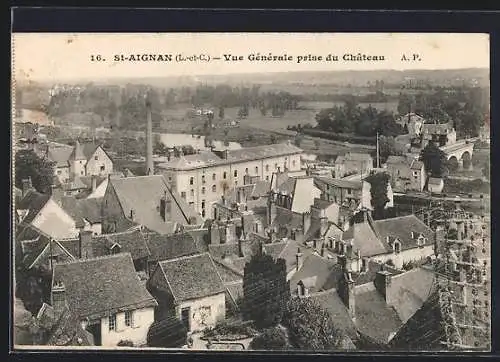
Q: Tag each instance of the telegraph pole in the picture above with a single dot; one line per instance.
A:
(378, 156)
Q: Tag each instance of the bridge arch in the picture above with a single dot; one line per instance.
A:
(453, 163)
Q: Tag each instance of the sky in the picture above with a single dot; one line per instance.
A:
(56, 57)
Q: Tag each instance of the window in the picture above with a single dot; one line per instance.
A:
(202, 204)
(397, 247)
(203, 179)
(103, 168)
(129, 318)
(112, 322)
(183, 194)
(246, 172)
(224, 176)
(192, 192)
(415, 173)
(293, 163)
(81, 172)
(256, 170)
(191, 180)
(267, 178)
(236, 173)
(267, 167)
(214, 188)
(203, 191)
(96, 158)
(203, 213)
(213, 176)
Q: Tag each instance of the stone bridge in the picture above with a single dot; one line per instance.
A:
(460, 154)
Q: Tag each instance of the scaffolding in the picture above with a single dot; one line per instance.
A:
(462, 267)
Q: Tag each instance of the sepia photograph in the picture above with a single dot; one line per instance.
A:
(324, 192)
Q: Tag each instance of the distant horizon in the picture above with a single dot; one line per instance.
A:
(132, 77)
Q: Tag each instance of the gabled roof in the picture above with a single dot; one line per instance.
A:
(364, 239)
(164, 247)
(143, 193)
(98, 287)
(34, 202)
(192, 277)
(401, 228)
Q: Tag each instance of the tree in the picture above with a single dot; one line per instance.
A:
(265, 290)
(378, 190)
(221, 112)
(271, 339)
(169, 333)
(434, 160)
(41, 170)
(387, 147)
(26, 329)
(310, 326)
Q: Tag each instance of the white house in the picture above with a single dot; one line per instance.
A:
(107, 296)
(190, 287)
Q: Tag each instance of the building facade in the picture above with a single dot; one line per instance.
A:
(202, 179)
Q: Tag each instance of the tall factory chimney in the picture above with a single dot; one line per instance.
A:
(149, 139)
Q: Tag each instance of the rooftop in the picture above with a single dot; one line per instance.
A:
(95, 288)
(192, 277)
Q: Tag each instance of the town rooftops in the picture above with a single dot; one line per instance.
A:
(354, 156)
(345, 184)
(192, 277)
(163, 247)
(60, 154)
(33, 201)
(87, 209)
(96, 288)
(208, 159)
(406, 229)
(140, 196)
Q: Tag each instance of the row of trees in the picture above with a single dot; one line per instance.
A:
(465, 107)
(350, 118)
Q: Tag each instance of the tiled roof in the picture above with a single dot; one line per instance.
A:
(287, 218)
(97, 287)
(261, 189)
(374, 317)
(326, 271)
(163, 247)
(34, 202)
(87, 180)
(402, 227)
(143, 193)
(227, 273)
(88, 149)
(364, 239)
(288, 251)
(192, 277)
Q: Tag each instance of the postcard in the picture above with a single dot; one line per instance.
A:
(251, 192)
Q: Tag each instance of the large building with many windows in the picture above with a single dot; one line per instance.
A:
(203, 178)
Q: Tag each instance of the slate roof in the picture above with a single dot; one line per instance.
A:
(192, 277)
(261, 189)
(143, 193)
(402, 227)
(98, 287)
(287, 250)
(163, 247)
(287, 218)
(34, 202)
